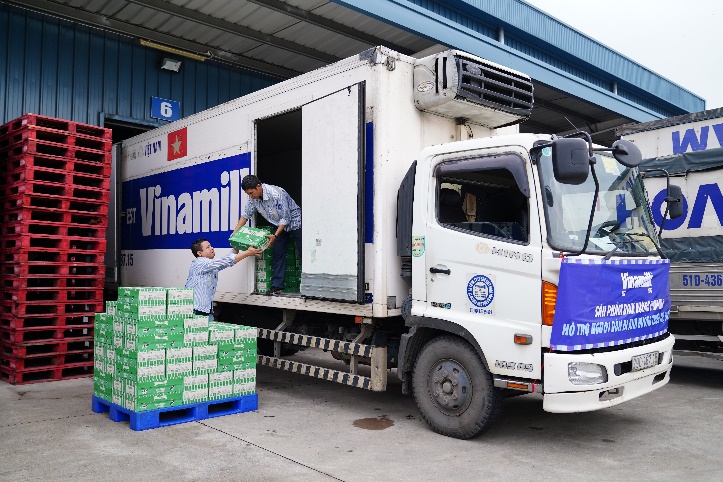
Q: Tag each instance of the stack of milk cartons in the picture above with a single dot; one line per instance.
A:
(151, 352)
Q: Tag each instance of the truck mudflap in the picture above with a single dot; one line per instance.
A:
(377, 356)
(623, 384)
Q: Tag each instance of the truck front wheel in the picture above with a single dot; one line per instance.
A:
(454, 392)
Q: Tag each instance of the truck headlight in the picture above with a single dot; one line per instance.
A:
(586, 373)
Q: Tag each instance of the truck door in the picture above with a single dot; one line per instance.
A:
(332, 196)
(483, 256)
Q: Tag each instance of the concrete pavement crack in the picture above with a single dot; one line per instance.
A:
(270, 451)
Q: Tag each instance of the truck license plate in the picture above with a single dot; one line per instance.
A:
(641, 362)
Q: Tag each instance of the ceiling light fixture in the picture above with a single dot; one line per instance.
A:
(173, 65)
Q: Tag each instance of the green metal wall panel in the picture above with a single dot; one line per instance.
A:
(57, 68)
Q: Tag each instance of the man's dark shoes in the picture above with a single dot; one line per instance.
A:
(274, 291)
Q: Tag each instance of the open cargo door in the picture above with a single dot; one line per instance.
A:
(332, 190)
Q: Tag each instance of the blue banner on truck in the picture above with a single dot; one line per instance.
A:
(610, 302)
(171, 209)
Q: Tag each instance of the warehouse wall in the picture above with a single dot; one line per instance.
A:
(61, 69)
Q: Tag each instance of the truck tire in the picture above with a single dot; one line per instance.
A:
(455, 393)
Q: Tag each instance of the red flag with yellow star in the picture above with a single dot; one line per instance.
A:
(177, 144)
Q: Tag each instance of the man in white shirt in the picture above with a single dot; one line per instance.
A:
(274, 204)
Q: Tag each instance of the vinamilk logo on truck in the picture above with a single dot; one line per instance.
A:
(171, 209)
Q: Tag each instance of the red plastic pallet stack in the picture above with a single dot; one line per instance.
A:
(54, 192)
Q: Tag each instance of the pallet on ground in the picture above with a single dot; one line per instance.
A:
(75, 308)
(45, 348)
(98, 205)
(35, 174)
(51, 229)
(34, 296)
(58, 243)
(17, 377)
(58, 163)
(46, 362)
(181, 414)
(46, 320)
(12, 282)
(35, 147)
(42, 215)
(31, 132)
(24, 336)
(47, 122)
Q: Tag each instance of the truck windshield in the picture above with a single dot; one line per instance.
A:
(621, 221)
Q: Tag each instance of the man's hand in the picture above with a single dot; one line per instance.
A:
(272, 239)
(254, 252)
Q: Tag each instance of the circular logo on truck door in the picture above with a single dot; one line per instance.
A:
(480, 291)
(425, 86)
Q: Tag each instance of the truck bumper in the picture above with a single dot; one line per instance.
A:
(561, 396)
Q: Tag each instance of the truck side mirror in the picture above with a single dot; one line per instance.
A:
(570, 160)
(627, 153)
(675, 201)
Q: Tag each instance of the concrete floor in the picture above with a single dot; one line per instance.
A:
(314, 430)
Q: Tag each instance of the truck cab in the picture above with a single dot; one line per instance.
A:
(489, 225)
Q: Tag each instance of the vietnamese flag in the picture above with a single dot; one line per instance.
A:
(177, 144)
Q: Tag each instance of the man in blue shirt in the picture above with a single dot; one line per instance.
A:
(203, 273)
(274, 204)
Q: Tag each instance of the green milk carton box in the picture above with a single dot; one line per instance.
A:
(220, 332)
(180, 296)
(179, 309)
(219, 392)
(195, 323)
(195, 388)
(247, 237)
(143, 295)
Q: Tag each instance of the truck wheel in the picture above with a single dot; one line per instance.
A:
(454, 392)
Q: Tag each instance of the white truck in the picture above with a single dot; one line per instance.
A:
(434, 236)
(690, 149)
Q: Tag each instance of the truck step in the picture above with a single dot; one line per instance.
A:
(175, 415)
(325, 344)
(377, 356)
(337, 376)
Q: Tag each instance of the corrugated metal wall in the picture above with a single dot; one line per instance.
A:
(61, 69)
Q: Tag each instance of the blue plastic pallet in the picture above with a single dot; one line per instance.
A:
(181, 414)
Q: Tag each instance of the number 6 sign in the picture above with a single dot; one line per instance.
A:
(165, 109)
